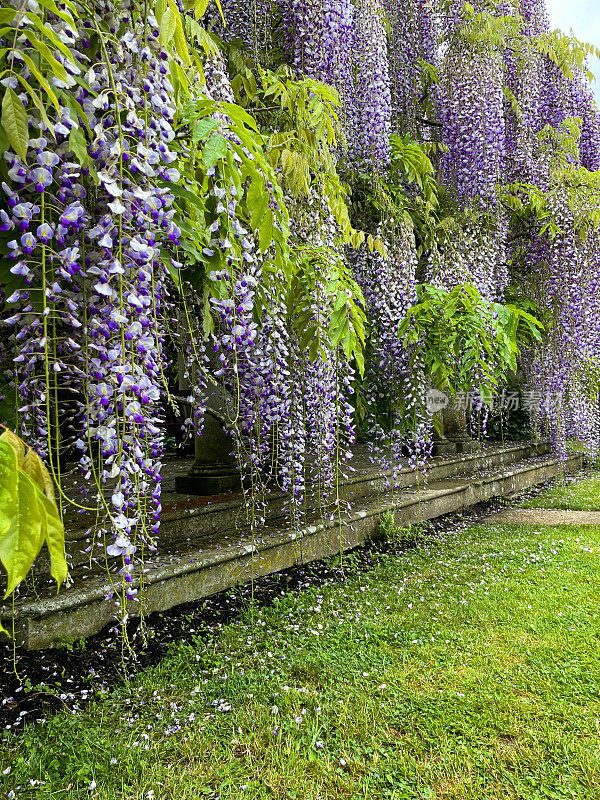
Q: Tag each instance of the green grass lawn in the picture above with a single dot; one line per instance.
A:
(466, 668)
(581, 496)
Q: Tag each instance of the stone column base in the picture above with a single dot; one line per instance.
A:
(209, 479)
(444, 447)
(466, 445)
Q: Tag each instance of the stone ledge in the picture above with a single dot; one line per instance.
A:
(184, 520)
(196, 573)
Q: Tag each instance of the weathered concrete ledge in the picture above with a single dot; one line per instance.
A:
(221, 560)
(187, 519)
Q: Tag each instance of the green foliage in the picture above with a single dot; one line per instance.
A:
(14, 122)
(186, 41)
(487, 28)
(302, 137)
(401, 537)
(410, 165)
(224, 137)
(568, 53)
(407, 192)
(531, 207)
(300, 107)
(38, 53)
(324, 273)
(462, 341)
(29, 517)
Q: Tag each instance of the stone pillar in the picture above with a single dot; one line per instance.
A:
(442, 446)
(456, 430)
(214, 470)
(436, 402)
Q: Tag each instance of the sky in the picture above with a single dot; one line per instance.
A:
(583, 17)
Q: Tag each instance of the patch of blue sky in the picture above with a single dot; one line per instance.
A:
(582, 17)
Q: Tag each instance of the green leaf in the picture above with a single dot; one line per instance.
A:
(35, 97)
(257, 201)
(45, 51)
(179, 77)
(21, 523)
(265, 232)
(14, 122)
(200, 8)
(338, 335)
(78, 145)
(168, 24)
(309, 335)
(173, 271)
(202, 127)
(51, 6)
(55, 540)
(41, 80)
(208, 324)
(28, 514)
(237, 112)
(220, 11)
(179, 38)
(214, 150)
(337, 316)
(34, 468)
(8, 487)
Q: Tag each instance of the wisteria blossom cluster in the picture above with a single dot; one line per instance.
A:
(374, 101)
(473, 121)
(397, 419)
(414, 32)
(288, 414)
(472, 253)
(87, 321)
(567, 282)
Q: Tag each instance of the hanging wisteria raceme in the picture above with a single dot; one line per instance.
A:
(249, 22)
(249, 364)
(544, 93)
(128, 289)
(313, 36)
(535, 17)
(285, 409)
(373, 97)
(97, 280)
(558, 103)
(473, 253)
(561, 373)
(473, 120)
(28, 220)
(413, 39)
(587, 111)
(524, 75)
(324, 39)
(398, 421)
(316, 439)
(282, 406)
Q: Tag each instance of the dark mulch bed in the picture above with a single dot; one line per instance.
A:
(36, 684)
